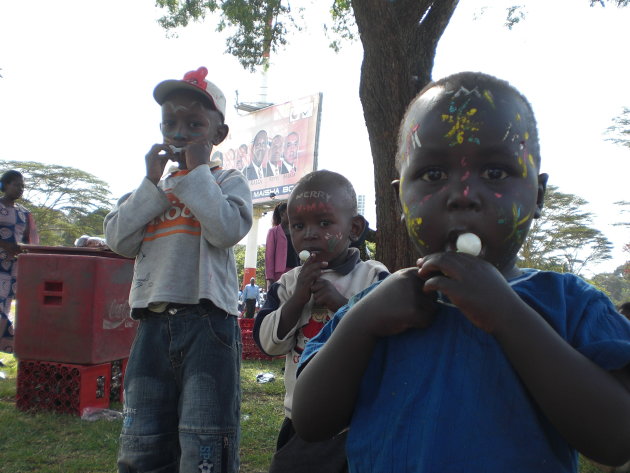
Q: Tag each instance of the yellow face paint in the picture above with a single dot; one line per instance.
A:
(413, 225)
(521, 162)
(462, 124)
(488, 96)
(516, 212)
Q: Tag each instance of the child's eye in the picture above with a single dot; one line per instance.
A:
(434, 174)
(167, 123)
(297, 226)
(324, 223)
(494, 174)
(196, 124)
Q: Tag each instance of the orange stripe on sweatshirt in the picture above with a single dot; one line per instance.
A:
(178, 215)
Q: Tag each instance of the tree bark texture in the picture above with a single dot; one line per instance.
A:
(399, 41)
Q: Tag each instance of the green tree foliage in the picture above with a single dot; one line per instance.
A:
(562, 239)
(66, 202)
(615, 284)
(619, 131)
(256, 27)
(239, 256)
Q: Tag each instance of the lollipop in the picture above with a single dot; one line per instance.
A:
(469, 243)
(304, 255)
(175, 149)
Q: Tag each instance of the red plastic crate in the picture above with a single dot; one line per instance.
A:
(246, 324)
(116, 392)
(65, 388)
(250, 349)
(72, 308)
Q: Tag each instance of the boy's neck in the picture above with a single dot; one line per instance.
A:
(345, 261)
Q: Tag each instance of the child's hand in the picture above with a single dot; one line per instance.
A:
(156, 160)
(476, 287)
(326, 294)
(197, 154)
(310, 272)
(396, 305)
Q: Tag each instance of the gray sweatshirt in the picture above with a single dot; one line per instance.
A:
(181, 233)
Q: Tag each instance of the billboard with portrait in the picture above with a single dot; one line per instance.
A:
(273, 147)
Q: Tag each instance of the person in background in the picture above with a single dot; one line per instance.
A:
(241, 161)
(290, 155)
(280, 256)
(259, 150)
(182, 411)
(17, 227)
(228, 159)
(251, 295)
(275, 165)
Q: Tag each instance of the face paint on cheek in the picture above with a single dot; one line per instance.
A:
(523, 165)
(518, 221)
(413, 226)
(332, 240)
(465, 176)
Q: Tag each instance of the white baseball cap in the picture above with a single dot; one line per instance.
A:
(195, 81)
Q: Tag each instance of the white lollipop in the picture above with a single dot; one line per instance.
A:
(175, 149)
(469, 243)
(304, 255)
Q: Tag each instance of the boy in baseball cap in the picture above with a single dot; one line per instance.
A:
(182, 386)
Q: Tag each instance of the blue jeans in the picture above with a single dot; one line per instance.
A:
(182, 394)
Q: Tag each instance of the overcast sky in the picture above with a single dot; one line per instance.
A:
(78, 77)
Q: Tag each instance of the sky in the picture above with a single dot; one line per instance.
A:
(78, 77)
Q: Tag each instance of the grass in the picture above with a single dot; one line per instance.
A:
(45, 442)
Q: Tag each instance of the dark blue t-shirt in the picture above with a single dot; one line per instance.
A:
(446, 399)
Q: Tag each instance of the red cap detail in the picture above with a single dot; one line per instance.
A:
(197, 77)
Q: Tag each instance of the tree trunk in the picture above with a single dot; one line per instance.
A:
(399, 41)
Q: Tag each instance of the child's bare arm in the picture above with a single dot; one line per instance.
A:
(589, 406)
(327, 388)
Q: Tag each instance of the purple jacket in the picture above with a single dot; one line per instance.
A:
(276, 253)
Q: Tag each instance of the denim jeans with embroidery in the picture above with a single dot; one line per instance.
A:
(182, 394)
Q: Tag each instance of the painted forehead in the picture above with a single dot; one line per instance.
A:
(193, 106)
(467, 116)
(318, 198)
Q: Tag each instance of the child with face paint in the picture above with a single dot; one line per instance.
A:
(470, 363)
(323, 221)
(182, 382)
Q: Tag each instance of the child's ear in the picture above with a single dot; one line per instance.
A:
(540, 198)
(357, 228)
(222, 132)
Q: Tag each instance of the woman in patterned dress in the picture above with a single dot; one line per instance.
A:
(16, 226)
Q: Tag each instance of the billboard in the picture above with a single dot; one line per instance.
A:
(273, 147)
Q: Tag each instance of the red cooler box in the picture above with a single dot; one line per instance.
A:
(72, 306)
